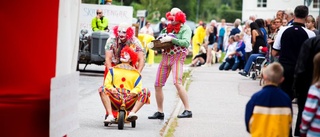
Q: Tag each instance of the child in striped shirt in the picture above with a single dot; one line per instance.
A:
(310, 124)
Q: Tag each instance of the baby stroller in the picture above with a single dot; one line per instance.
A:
(255, 69)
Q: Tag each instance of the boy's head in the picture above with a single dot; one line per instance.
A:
(273, 73)
(128, 55)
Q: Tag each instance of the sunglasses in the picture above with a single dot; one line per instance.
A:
(99, 12)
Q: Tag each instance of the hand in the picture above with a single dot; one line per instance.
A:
(98, 17)
(131, 95)
(166, 39)
(114, 91)
(150, 45)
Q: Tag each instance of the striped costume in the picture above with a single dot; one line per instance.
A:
(173, 58)
(310, 123)
(125, 79)
(269, 113)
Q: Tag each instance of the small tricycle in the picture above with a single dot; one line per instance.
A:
(120, 114)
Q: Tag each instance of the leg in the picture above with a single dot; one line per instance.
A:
(221, 67)
(105, 101)
(209, 56)
(177, 73)
(161, 78)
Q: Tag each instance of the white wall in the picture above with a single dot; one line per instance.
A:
(249, 7)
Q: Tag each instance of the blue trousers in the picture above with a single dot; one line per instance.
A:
(251, 59)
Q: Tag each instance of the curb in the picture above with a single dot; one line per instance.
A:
(177, 109)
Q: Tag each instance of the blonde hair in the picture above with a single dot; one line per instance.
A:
(273, 73)
(316, 68)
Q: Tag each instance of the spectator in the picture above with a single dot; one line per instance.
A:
(198, 39)
(199, 59)
(147, 29)
(310, 116)
(269, 111)
(247, 38)
(228, 60)
(310, 24)
(236, 29)
(304, 72)
(289, 16)
(100, 22)
(287, 46)
(222, 30)
(162, 24)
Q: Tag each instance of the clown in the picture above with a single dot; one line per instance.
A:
(123, 37)
(126, 79)
(173, 59)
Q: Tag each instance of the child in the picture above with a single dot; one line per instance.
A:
(269, 111)
(216, 53)
(310, 116)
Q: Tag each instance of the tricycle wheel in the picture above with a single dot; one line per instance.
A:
(254, 77)
(121, 120)
(133, 124)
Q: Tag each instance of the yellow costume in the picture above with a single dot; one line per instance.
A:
(197, 39)
(145, 39)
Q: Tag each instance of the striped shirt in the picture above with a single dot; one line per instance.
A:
(310, 123)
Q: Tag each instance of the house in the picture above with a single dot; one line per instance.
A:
(268, 8)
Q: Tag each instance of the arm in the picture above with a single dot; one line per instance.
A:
(108, 50)
(137, 86)
(108, 82)
(277, 44)
(254, 34)
(104, 24)
(248, 113)
(94, 24)
(185, 38)
(310, 109)
(303, 66)
(141, 61)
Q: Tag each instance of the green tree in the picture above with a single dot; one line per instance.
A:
(187, 6)
(156, 6)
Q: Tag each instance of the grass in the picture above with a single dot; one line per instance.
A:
(157, 59)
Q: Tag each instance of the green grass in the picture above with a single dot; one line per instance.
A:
(157, 59)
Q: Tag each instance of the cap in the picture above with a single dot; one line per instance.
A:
(163, 19)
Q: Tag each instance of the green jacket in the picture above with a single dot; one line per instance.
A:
(98, 24)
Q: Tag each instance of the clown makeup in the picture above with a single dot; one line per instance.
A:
(125, 57)
(122, 34)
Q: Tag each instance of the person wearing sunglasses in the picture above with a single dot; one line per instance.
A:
(100, 22)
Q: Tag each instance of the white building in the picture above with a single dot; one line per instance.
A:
(268, 8)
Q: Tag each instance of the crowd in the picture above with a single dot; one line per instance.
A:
(288, 43)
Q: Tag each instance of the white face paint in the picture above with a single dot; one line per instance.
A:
(125, 57)
(122, 34)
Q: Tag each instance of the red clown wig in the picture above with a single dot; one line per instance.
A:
(176, 15)
(125, 28)
(133, 54)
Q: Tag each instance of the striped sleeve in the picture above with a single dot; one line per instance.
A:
(310, 109)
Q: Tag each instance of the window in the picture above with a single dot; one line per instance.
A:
(316, 4)
(262, 3)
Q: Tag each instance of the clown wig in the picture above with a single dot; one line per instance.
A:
(123, 27)
(133, 54)
(176, 15)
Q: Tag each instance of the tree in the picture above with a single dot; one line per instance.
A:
(156, 6)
